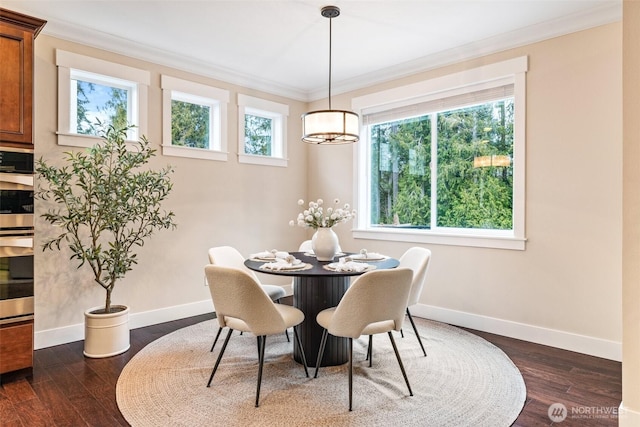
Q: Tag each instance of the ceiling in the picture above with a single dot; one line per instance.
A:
(282, 46)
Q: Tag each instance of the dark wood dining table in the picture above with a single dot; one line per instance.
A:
(315, 289)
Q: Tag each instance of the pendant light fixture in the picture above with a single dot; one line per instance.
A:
(330, 126)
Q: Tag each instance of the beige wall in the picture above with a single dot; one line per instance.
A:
(567, 281)
(216, 203)
(630, 414)
(565, 288)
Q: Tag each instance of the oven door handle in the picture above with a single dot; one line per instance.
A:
(16, 246)
(16, 181)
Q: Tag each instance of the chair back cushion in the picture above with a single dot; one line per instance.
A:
(376, 296)
(236, 294)
(305, 246)
(417, 259)
(227, 256)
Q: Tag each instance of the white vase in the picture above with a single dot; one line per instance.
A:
(106, 334)
(325, 244)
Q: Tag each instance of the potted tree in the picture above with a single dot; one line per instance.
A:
(106, 205)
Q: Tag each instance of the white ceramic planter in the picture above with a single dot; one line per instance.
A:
(106, 334)
(325, 244)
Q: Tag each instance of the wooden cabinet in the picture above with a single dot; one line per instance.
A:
(17, 34)
(16, 346)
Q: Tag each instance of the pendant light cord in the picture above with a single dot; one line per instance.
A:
(330, 20)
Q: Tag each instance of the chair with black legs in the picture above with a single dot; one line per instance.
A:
(228, 256)
(374, 303)
(241, 304)
(417, 259)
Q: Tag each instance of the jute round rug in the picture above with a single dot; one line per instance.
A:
(464, 381)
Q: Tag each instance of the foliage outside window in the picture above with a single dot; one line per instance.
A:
(445, 166)
(194, 119)
(258, 134)
(470, 194)
(262, 131)
(94, 94)
(107, 103)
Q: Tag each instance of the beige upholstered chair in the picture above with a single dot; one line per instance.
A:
(241, 304)
(417, 259)
(306, 247)
(374, 303)
(228, 256)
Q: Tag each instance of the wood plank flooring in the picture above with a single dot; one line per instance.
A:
(66, 389)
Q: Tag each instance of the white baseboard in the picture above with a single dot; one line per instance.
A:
(606, 349)
(66, 334)
(580, 343)
(627, 417)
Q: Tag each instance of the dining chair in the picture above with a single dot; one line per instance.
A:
(242, 305)
(306, 247)
(228, 256)
(417, 259)
(374, 303)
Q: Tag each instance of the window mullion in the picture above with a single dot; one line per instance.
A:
(434, 171)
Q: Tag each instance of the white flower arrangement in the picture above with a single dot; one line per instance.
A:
(315, 216)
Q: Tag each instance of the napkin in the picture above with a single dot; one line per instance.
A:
(368, 255)
(283, 263)
(349, 266)
(270, 254)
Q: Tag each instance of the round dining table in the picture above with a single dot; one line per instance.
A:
(314, 289)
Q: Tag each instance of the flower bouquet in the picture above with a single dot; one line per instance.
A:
(315, 216)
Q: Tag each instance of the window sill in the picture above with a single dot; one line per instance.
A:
(439, 238)
(262, 160)
(194, 153)
(78, 140)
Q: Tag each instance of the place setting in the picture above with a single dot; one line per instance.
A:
(366, 256)
(279, 261)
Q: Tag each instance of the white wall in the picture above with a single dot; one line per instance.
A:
(216, 203)
(630, 406)
(565, 288)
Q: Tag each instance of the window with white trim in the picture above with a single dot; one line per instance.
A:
(442, 161)
(194, 119)
(262, 128)
(93, 93)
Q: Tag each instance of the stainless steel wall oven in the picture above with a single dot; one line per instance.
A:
(16, 234)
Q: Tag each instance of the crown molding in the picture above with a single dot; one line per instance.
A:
(600, 15)
(126, 47)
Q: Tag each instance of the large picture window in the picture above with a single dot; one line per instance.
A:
(445, 166)
(93, 94)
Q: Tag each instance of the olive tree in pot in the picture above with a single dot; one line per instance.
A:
(106, 204)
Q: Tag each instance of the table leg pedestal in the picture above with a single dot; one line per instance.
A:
(312, 295)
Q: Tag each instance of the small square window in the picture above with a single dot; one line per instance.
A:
(262, 131)
(194, 120)
(93, 94)
(258, 133)
(190, 124)
(95, 98)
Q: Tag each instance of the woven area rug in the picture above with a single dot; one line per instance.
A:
(464, 381)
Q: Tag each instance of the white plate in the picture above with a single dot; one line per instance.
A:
(301, 266)
(311, 254)
(368, 258)
(332, 266)
(267, 259)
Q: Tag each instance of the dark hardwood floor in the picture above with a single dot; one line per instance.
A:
(66, 389)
